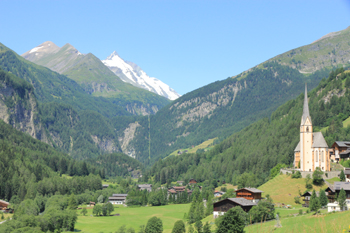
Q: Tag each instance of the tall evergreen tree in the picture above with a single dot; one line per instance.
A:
(314, 203)
(323, 198)
(342, 199)
(342, 176)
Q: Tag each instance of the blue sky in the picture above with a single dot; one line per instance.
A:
(186, 44)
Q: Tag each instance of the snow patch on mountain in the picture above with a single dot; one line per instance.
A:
(35, 49)
(131, 73)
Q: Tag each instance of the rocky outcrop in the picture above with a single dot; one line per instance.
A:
(141, 109)
(21, 111)
(107, 145)
(126, 139)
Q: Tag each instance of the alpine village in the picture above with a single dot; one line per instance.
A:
(89, 145)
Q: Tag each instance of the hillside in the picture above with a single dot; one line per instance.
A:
(225, 107)
(93, 76)
(246, 157)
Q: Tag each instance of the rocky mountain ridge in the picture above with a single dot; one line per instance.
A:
(131, 73)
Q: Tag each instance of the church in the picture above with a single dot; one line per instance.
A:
(312, 150)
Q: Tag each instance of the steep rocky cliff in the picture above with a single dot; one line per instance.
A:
(18, 106)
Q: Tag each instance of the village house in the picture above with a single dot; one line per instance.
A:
(333, 190)
(312, 150)
(307, 196)
(218, 193)
(221, 207)
(347, 174)
(192, 182)
(104, 186)
(180, 182)
(3, 205)
(341, 150)
(118, 199)
(148, 187)
(176, 190)
(251, 194)
(245, 198)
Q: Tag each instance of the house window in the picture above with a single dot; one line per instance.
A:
(316, 156)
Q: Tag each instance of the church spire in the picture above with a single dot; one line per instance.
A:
(306, 113)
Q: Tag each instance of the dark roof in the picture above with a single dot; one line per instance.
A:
(318, 140)
(347, 171)
(340, 185)
(119, 195)
(347, 151)
(253, 190)
(342, 143)
(310, 193)
(240, 201)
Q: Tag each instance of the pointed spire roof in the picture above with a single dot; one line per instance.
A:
(306, 113)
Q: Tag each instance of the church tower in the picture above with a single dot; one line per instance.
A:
(306, 139)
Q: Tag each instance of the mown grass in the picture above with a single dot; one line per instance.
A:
(335, 179)
(308, 223)
(227, 186)
(205, 145)
(283, 189)
(131, 217)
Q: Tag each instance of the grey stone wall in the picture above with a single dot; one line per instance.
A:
(330, 174)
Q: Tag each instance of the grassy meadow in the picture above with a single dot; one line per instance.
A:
(283, 189)
(131, 217)
(308, 223)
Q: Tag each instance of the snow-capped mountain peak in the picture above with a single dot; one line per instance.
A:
(131, 73)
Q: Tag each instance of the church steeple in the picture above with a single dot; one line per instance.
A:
(306, 113)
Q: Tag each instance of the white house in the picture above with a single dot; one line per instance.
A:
(118, 199)
(335, 206)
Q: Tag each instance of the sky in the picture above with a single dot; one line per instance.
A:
(186, 44)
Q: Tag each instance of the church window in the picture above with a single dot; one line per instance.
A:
(307, 129)
(322, 157)
(316, 156)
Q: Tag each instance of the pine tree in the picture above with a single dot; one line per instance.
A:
(206, 228)
(342, 176)
(72, 203)
(341, 199)
(323, 198)
(314, 203)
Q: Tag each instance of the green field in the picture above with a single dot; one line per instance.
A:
(205, 145)
(332, 222)
(131, 217)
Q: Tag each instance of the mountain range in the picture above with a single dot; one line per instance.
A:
(93, 75)
(86, 122)
(131, 73)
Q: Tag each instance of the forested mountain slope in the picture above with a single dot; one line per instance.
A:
(224, 107)
(219, 109)
(246, 157)
(94, 77)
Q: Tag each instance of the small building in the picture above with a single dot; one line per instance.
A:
(180, 182)
(92, 203)
(221, 207)
(104, 186)
(347, 174)
(118, 199)
(251, 194)
(192, 181)
(148, 187)
(175, 190)
(307, 196)
(341, 150)
(218, 193)
(3, 205)
(335, 207)
(333, 190)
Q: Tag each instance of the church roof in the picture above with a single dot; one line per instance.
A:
(306, 113)
(297, 149)
(319, 141)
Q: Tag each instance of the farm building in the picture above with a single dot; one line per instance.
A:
(118, 199)
(4, 205)
(251, 194)
(148, 187)
(221, 207)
